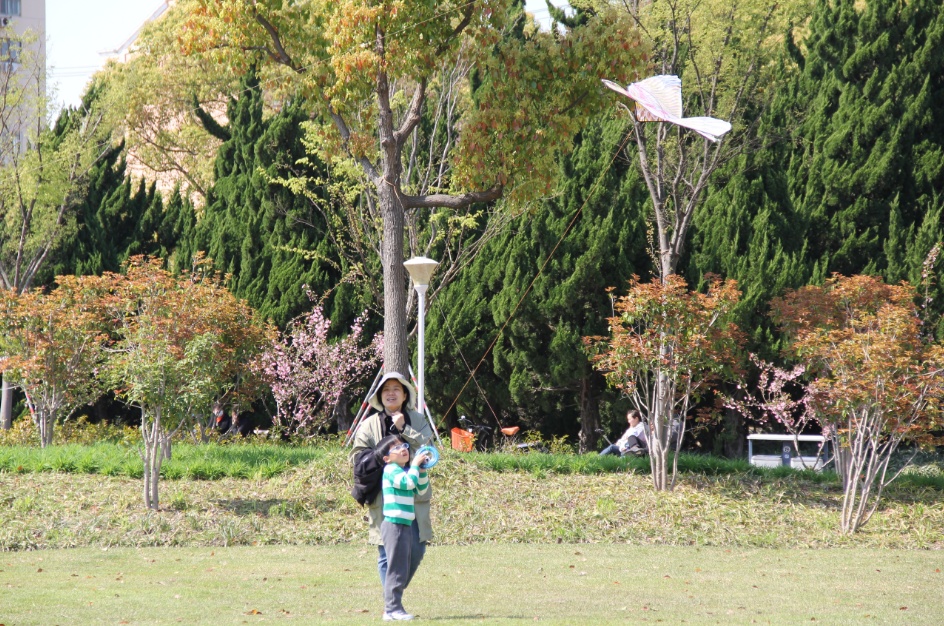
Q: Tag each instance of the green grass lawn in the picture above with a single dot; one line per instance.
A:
(478, 584)
(263, 533)
(209, 461)
(477, 498)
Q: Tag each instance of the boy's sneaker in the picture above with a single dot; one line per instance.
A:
(397, 616)
(637, 450)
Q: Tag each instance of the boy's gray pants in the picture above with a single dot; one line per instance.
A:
(398, 543)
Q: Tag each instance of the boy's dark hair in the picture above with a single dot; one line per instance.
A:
(382, 449)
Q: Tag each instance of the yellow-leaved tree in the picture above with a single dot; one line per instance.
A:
(429, 108)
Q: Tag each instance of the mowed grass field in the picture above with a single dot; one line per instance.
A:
(474, 584)
(551, 538)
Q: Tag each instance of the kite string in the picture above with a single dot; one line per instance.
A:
(540, 271)
(467, 366)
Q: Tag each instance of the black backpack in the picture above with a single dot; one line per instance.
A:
(368, 472)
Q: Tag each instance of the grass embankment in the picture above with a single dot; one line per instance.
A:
(267, 495)
(194, 462)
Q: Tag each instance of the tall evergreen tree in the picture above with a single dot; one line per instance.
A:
(849, 171)
(539, 365)
(871, 141)
(90, 246)
(270, 239)
(747, 230)
(115, 216)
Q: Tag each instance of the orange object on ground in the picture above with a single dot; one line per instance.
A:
(462, 440)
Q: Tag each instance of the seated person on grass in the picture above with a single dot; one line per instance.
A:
(633, 441)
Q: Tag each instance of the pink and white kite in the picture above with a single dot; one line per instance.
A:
(659, 99)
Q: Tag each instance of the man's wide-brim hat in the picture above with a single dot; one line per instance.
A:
(375, 400)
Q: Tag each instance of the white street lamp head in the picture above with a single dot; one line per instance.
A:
(421, 269)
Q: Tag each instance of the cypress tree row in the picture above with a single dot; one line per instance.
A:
(97, 242)
(848, 178)
(852, 164)
(869, 156)
(539, 375)
(115, 217)
(748, 228)
(271, 240)
(848, 181)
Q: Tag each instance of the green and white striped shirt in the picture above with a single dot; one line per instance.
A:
(399, 486)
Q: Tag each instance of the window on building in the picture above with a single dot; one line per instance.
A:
(10, 50)
(10, 7)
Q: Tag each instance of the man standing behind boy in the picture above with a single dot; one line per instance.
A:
(394, 402)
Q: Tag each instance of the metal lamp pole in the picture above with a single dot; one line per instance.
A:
(421, 271)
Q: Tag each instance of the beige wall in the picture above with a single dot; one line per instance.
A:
(126, 51)
(23, 116)
(32, 17)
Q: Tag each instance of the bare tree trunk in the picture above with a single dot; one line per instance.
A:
(842, 460)
(146, 459)
(39, 420)
(46, 426)
(154, 443)
(734, 431)
(660, 442)
(589, 416)
(391, 251)
(157, 459)
(341, 416)
(6, 404)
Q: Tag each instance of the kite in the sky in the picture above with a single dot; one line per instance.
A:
(659, 99)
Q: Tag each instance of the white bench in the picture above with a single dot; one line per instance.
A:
(787, 456)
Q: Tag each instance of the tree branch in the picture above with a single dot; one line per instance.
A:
(449, 201)
(413, 115)
(280, 55)
(461, 26)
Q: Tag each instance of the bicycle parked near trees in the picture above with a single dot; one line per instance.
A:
(484, 438)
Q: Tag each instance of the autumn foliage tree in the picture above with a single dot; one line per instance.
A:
(373, 72)
(666, 344)
(181, 344)
(44, 169)
(876, 380)
(54, 341)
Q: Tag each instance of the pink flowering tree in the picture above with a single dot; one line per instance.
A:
(309, 373)
(784, 396)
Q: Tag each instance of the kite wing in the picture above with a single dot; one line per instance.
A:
(659, 99)
(708, 127)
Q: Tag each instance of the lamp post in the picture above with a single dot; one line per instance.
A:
(421, 270)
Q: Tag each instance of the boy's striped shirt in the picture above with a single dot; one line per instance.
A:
(399, 486)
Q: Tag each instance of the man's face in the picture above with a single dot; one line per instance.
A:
(392, 396)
